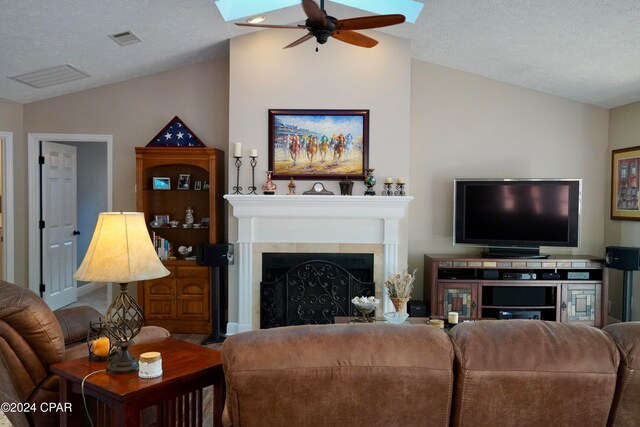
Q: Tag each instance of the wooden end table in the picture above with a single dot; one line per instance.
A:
(187, 369)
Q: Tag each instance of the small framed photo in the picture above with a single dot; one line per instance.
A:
(205, 186)
(163, 219)
(205, 221)
(197, 185)
(161, 183)
(184, 181)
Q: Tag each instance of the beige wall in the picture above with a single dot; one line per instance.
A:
(428, 124)
(133, 111)
(624, 132)
(265, 76)
(11, 120)
(466, 126)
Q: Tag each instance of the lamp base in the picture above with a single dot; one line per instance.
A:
(123, 362)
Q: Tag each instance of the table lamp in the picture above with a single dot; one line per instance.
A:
(121, 251)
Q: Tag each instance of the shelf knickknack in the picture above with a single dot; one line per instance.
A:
(176, 134)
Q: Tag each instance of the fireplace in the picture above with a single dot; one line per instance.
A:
(312, 288)
(341, 224)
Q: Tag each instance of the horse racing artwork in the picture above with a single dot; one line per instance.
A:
(318, 144)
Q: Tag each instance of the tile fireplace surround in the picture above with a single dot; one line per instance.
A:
(283, 223)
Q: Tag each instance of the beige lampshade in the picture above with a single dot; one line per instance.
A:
(120, 251)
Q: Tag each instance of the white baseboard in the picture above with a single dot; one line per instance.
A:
(89, 287)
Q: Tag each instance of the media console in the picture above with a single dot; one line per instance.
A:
(559, 288)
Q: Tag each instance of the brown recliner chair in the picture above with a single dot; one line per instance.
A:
(625, 410)
(32, 338)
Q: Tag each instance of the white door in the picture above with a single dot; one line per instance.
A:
(59, 216)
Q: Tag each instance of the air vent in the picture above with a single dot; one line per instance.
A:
(125, 38)
(50, 76)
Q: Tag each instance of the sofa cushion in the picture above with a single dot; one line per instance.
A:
(529, 372)
(626, 405)
(325, 375)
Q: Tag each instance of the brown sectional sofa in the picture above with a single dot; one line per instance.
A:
(487, 373)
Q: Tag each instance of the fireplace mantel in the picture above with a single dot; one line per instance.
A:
(311, 219)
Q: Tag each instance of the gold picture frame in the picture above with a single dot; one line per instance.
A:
(625, 163)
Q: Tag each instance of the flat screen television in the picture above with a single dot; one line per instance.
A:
(514, 217)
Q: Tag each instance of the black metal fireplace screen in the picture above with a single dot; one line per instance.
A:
(312, 292)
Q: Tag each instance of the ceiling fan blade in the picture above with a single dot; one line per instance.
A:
(292, 27)
(367, 22)
(299, 41)
(314, 13)
(354, 38)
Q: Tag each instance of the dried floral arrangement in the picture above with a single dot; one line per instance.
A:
(400, 285)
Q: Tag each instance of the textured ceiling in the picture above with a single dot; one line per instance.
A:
(585, 50)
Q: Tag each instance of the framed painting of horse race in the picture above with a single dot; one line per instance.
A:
(318, 144)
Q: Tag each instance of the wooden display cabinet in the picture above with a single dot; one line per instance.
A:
(180, 302)
(571, 289)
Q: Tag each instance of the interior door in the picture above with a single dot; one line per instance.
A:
(59, 223)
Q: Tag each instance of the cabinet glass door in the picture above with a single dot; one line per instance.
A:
(460, 298)
(581, 303)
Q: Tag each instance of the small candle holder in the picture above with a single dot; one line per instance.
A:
(253, 162)
(98, 342)
(237, 189)
(399, 190)
(387, 191)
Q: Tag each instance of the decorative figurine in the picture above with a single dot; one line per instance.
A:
(188, 220)
(292, 187)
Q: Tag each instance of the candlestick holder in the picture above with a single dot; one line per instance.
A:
(237, 189)
(387, 191)
(253, 162)
(399, 190)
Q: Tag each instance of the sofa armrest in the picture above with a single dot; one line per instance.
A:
(74, 322)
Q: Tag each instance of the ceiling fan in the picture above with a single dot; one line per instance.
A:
(322, 26)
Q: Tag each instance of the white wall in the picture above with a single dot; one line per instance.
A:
(263, 76)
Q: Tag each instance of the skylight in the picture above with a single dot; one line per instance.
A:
(236, 9)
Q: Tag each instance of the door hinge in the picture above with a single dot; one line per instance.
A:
(42, 288)
(41, 225)
(41, 160)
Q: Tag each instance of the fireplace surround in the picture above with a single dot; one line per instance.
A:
(299, 223)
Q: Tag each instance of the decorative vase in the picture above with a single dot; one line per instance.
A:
(346, 187)
(269, 187)
(400, 304)
(369, 181)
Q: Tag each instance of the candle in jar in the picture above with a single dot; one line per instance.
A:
(237, 149)
(100, 347)
(452, 317)
(253, 152)
(388, 180)
(400, 180)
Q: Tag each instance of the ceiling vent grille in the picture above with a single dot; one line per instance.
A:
(50, 76)
(125, 38)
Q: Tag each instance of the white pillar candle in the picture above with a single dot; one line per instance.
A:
(388, 180)
(400, 180)
(452, 317)
(253, 152)
(237, 149)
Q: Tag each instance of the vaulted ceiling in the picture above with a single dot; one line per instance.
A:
(584, 50)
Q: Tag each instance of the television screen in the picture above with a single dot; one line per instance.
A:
(517, 213)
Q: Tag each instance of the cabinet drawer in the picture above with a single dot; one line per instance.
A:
(202, 272)
(172, 270)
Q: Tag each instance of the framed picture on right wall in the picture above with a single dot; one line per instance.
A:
(625, 163)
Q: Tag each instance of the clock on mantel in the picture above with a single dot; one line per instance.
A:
(318, 189)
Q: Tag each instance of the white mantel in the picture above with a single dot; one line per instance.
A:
(311, 219)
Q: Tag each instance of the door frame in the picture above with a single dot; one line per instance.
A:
(7, 206)
(33, 152)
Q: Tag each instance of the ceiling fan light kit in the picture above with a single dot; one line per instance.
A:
(322, 26)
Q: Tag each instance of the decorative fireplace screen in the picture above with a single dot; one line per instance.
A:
(312, 292)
